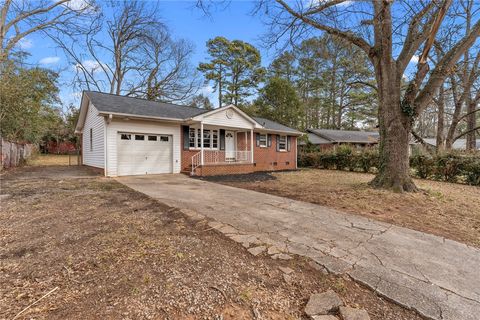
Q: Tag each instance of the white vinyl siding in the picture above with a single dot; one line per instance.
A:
(93, 139)
(220, 119)
(141, 127)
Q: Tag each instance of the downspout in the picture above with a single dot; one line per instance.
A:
(201, 143)
(251, 144)
(296, 153)
(105, 152)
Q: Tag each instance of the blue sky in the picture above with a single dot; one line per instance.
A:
(232, 20)
(183, 19)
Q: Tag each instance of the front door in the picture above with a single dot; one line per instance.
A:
(229, 146)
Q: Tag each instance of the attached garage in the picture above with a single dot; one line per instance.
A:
(144, 153)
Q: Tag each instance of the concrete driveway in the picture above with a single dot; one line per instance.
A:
(437, 277)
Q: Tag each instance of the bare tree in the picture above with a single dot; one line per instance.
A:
(167, 74)
(390, 38)
(19, 19)
(138, 59)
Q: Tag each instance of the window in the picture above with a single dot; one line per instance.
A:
(210, 138)
(164, 138)
(206, 138)
(282, 143)
(262, 140)
(125, 136)
(152, 138)
(140, 137)
(191, 138)
(215, 139)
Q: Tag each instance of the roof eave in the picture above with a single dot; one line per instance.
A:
(290, 133)
(140, 117)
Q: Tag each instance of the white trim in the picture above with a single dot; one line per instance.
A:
(140, 117)
(105, 163)
(231, 106)
(296, 151)
(196, 130)
(288, 133)
(286, 143)
(251, 144)
(201, 143)
(266, 140)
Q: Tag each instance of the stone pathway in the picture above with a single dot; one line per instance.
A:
(437, 277)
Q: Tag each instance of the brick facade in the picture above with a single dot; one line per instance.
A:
(224, 169)
(265, 158)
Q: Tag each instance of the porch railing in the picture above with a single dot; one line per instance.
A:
(225, 157)
(220, 157)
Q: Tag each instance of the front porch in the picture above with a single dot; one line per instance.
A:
(221, 148)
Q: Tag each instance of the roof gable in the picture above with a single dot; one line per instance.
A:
(215, 114)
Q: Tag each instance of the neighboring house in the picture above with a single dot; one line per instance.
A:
(325, 139)
(459, 144)
(131, 136)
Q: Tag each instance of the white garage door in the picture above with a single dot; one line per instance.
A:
(143, 153)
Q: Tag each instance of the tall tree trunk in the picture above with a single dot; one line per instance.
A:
(441, 119)
(220, 84)
(471, 142)
(395, 126)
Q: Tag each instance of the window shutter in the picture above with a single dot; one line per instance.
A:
(288, 143)
(257, 138)
(269, 140)
(186, 137)
(278, 143)
(222, 139)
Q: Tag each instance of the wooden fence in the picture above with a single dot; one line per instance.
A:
(15, 154)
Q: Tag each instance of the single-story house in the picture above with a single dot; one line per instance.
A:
(459, 144)
(131, 136)
(325, 139)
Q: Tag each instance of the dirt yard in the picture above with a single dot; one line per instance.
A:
(109, 252)
(445, 209)
(53, 160)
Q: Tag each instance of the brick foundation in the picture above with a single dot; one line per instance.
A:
(219, 170)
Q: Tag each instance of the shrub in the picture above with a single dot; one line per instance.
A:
(423, 165)
(471, 172)
(448, 167)
(344, 157)
(451, 167)
(328, 160)
(309, 159)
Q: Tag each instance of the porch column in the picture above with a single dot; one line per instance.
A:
(251, 145)
(201, 143)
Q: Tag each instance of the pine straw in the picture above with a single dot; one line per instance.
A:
(114, 253)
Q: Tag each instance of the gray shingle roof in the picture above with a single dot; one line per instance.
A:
(346, 136)
(110, 103)
(459, 144)
(274, 126)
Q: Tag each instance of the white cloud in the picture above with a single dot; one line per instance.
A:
(91, 66)
(24, 43)
(314, 3)
(49, 60)
(414, 59)
(345, 4)
(77, 4)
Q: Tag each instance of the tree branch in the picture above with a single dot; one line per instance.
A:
(443, 68)
(349, 36)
